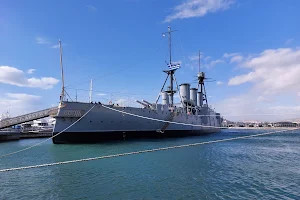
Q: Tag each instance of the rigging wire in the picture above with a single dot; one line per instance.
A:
(119, 70)
(106, 91)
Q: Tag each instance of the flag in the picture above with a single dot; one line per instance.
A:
(173, 65)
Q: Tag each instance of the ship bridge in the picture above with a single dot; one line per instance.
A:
(5, 123)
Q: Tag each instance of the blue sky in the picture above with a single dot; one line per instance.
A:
(246, 45)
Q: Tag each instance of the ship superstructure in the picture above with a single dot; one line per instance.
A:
(78, 122)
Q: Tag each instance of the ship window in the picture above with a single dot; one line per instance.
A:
(101, 121)
(90, 121)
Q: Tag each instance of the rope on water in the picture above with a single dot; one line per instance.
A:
(142, 151)
(50, 137)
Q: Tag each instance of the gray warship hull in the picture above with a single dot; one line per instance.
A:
(110, 123)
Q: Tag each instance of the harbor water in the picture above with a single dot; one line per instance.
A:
(265, 167)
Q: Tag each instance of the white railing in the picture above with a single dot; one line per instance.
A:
(28, 117)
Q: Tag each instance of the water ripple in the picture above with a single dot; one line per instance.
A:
(256, 168)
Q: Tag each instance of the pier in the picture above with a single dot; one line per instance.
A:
(35, 135)
(5, 123)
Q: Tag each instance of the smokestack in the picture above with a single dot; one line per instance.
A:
(165, 98)
(193, 95)
(185, 92)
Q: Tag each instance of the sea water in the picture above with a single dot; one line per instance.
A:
(265, 167)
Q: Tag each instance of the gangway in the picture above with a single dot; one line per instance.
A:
(166, 124)
(5, 123)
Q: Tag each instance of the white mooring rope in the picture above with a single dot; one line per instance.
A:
(50, 137)
(142, 151)
(161, 120)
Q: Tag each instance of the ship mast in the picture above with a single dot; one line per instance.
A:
(199, 60)
(201, 77)
(91, 90)
(62, 74)
(172, 70)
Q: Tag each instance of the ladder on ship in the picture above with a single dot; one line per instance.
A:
(166, 124)
(5, 123)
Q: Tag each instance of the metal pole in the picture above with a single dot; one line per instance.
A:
(170, 47)
(199, 60)
(171, 72)
(91, 90)
(171, 79)
(62, 74)
(76, 95)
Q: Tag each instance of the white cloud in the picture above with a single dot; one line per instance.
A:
(14, 76)
(55, 46)
(22, 97)
(219, 83)
(247, 107)
(42, 40)
(205, 61)
(236, 59)
(273, 71)
(195, 57)
(207, 58)
(30, 71)
(274, 74)
(91, 8)
(177, 62)
(19, 103)
(198, 8)
(101, 94)
(289, 41)
(298, 94)
(124, 101)
(229, 55)
(214, 62)
(263, 99)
